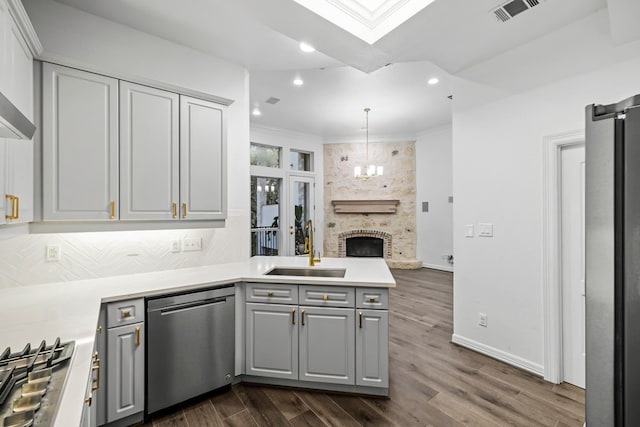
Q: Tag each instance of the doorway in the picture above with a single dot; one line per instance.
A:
(300, 209)
(572, 237)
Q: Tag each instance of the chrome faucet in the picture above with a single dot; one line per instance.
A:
(309, 246)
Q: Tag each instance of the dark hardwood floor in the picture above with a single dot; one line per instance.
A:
(433, 382)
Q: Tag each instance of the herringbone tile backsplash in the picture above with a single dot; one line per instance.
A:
(102, 254)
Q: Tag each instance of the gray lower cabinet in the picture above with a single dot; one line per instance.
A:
(327, 345)
(372, 348)
(125, 376)
(271, 344)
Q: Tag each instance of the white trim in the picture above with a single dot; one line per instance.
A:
(20, 17)
(438, 267)
(501, 355)
(551, 244)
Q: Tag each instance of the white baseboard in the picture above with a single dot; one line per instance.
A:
(501, 355)
(448, 268)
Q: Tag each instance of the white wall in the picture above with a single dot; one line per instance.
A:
(498, 178)
(434, 184)
(291, 140)
(77, 38)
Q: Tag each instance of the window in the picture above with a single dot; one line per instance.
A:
(265, 215)
(300, 161)
(264, 155)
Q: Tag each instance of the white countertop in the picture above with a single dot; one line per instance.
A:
(70, 310)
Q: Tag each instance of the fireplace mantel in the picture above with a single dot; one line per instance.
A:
(365, 206)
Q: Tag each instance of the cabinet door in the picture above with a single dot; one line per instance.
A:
(372, 348)
(149, 153)
(271, 340)
(19, 180)
(202, 160)
(125, 374)
(327, 345)
(100, 394)
(79, 145)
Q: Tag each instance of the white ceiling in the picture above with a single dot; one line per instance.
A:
(346, 74)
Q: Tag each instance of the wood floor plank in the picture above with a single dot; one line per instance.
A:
(240, 419)
(288, 403)
(361, 412)
(261, 408)
(227, 404)
(202, 414)
(327, 410)
(179, 420)
(307, 419)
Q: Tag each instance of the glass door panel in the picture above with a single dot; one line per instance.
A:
(301, 209)
(265, 215)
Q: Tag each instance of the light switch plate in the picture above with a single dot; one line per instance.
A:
(192, 245)
(469, 231)
(425, 206)
(53, 253)
(485, 230)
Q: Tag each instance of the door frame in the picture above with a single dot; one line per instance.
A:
(551, 247)
(303, 177)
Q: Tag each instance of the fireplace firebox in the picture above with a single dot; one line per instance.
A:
(365, 247)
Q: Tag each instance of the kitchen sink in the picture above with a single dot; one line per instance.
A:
(307, 272)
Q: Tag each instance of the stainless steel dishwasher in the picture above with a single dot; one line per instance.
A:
(190, 345)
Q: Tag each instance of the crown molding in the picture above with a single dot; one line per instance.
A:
(19, 15)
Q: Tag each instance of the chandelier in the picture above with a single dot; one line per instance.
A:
(369, 170)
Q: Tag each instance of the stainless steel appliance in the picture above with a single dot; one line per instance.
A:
(613, 263)
(190, 345)
(31, 383)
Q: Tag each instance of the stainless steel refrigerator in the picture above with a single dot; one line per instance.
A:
(613, 264)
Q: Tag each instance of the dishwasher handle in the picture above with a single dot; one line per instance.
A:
(191, 305)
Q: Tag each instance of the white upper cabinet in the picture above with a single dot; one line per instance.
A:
(202, 160)
(80, 145)
(149, 153)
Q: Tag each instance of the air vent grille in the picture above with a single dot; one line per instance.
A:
(272, 100)
(513, 8)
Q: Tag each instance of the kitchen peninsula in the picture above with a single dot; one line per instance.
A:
(358, 301)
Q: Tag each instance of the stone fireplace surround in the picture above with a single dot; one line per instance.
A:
(386, 239)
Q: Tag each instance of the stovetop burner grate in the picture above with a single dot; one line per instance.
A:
(31, 382)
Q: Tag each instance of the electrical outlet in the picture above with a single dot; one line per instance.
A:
(192, 245)
(482, 319)
(53, 253)
(175, 246)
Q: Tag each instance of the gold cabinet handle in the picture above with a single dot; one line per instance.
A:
(96, 368)
(325, 297)
(113, 210)
(99, 329)
(372, 299)
(126, 313)
(360, 319)
(184, 210)
(175, 210)
(137, 336)
(293, 316)
(14, 213)
(269, 294)
(88, 400)
(17, 200)
(302, 317)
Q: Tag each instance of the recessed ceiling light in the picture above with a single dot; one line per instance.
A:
(298, 81)
(256, 112)
(433, 81)
(306, 47)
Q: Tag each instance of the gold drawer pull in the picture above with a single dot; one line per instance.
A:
(360, 316)
(175, 210)
(269, 294)
(137, 336)
(325, 297)
(184, 210)
(302, 317)
(96, 368)
(372, 299)
(293, 316)
(14, 206)
(88, 400)
(126, 313)
(113, 210)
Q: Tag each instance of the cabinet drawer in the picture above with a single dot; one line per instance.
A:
(373, 298)
(273, 293)
(327, 296)
(122, 313)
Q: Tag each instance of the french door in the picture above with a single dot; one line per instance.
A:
(300, 209)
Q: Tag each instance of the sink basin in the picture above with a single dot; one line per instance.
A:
(307, 272)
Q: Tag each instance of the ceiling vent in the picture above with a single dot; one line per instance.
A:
(272, 100)
(514, 8)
